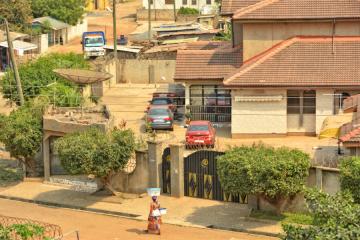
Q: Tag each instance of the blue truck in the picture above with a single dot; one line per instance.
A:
(93, 44)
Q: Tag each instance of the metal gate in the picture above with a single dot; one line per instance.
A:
(201, 179)
(166, 170)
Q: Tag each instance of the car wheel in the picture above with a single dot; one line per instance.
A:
(212, 146)
(172, 129)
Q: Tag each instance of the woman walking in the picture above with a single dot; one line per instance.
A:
(154, 219)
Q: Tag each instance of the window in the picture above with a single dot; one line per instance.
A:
(193, 2)
(208, 2)
(309, 102)
(184, 2)
(293, 102)
(169, 1)
(301, 102)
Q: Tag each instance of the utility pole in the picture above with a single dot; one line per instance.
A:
(13, 61)
(114, 31)
(175, 18)
(149, 19)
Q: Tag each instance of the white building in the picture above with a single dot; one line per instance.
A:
(201, 5)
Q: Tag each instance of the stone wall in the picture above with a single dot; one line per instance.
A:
(163, 15)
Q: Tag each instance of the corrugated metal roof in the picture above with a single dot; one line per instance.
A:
(20, 45)
(54, 23)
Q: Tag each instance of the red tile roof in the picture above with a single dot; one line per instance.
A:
(303, 62)
(207, 61)
(230, 6)
(291, 9)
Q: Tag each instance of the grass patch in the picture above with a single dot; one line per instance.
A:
(287, 217)
(9, 173)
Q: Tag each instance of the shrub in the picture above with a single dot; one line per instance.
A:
(350, 176)
(38, 74)
(21, 133)
(188, 11)
(335, 217)
(95, 152)
(274, 174)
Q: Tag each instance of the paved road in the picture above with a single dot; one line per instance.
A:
(101, 227)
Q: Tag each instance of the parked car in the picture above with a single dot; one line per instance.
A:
(200, 133)
(160, 117)
(167, 102)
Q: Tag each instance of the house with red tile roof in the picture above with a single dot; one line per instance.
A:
(290, 64)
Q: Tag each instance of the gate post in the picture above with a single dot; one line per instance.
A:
(46, 156)
(155, 162)
(177, 169)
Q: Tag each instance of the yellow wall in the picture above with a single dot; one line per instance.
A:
(257, 37)
(102, 4)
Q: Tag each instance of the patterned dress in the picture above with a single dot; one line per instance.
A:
(154, 221)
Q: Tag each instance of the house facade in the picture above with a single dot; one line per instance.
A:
(169, 4)
(93, 5)
(290, 65)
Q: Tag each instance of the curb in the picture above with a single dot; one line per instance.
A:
(60, 205)
(135, 216)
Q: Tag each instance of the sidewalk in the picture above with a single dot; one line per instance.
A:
(181, 211)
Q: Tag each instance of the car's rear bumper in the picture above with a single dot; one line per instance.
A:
(161, 125)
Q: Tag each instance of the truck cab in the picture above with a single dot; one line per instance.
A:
(93, 44)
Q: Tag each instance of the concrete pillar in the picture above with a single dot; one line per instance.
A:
(324, 106)
(155, 163)
(187, 94)
(46, 157)
(177, 169)
(319, 178)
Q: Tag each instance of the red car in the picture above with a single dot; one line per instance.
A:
(200, 133)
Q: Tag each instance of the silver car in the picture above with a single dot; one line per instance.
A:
(160, 118)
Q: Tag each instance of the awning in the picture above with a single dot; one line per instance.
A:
(20, 46)
(273, 98)
(332, 124)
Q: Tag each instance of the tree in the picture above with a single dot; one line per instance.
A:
(335, 218)
(69, 11)
(273, 174)
(18, 13)
(36, 76)
(96, 152)
(350, 176)
(21, 133)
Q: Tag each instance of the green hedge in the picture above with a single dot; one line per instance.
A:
(188, 11)
(38, 74)
(273, 174)
(350, 176)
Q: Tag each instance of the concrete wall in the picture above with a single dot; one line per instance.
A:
(258, 117)
(325, 179)
(163, 15)
(294, 123)
(261, 36)
(138, 180)
(77, 30)
(160, 4)
(145, 71)
(238, 33)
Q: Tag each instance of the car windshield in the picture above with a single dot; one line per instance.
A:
(158, 111)
(94, 42)
(198, 128)
(161, 101)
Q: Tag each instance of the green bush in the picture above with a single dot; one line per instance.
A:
(188, 11)
(21, 133)
(22, 232)
(38, 74)
(95, 152)
(350, 176)
(273, 174)
(335, 218)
